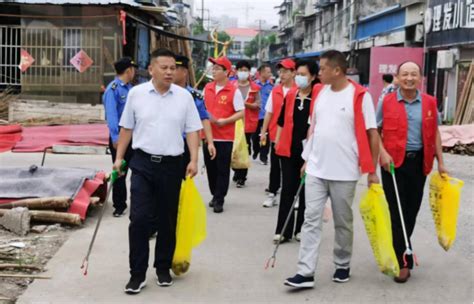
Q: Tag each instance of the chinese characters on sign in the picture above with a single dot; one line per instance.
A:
(81, 61)
(450, 15)
(388, 69)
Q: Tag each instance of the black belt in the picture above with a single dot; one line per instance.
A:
(412, 154)
(159, 158)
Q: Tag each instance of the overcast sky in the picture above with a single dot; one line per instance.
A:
(258, 9)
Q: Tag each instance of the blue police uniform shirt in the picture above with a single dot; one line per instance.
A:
(199, 102)
(265, 91)
(414, 119)
(114, 99)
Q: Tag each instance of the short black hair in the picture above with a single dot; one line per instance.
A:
(242, 64)
(162, 53)
(408, 61)
(388, 78)
(337, 59)
(312, 66)
(264, 66)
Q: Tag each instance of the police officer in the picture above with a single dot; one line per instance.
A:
(114, 99)
(181, 79)
(157, 113)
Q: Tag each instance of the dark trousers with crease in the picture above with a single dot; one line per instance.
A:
(218, 170)
(410, 184)
(275, 171)
(291, 178)
(155, 188)
(241, 174)
(119, 193)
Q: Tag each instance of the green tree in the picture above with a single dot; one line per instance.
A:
(252, 49)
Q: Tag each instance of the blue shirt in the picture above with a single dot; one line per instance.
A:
(114, 99)
(265, 90)
(199, 102)
(414, 119)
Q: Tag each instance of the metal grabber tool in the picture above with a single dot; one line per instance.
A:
(272, 259)
(112, 178)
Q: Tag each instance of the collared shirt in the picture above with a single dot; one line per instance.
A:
(414, 118)
(265, 90)
(114, 99)
(159, 120)
(199, 102)
(387, 90)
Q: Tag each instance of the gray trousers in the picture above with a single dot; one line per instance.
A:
(317, 192)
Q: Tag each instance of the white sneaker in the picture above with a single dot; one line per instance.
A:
(270, 201)
(276, 238)
(298, 237)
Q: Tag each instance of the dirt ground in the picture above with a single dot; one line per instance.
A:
(39, 249)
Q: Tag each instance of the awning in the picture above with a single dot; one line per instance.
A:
(389, 20)
(165, 33)
(307, 55)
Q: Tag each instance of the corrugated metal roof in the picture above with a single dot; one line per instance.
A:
(83, 2)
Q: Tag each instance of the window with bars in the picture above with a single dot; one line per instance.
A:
(52, 50)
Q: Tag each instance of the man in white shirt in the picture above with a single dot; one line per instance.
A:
(157, 113)
(342, 144)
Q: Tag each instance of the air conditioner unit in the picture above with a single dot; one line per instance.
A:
(445, 60)
(345, 33)
(327, 37)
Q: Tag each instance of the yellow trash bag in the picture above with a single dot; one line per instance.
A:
(376, 216)
(240, 151)
(190, 227)
(445, 194)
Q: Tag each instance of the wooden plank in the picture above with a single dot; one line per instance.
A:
(468, 116)
(464, 98)
(64, 149)
(24, 110)
(23, 276)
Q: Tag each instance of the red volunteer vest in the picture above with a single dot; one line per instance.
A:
(366, 163)
(251, 116)
(283, 148)
(395, 129)
(277, 103)
(220, 105)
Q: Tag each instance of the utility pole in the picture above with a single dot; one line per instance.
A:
(259, 40)
(202, 13)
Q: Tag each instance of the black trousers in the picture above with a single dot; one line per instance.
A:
(218, 170)
(257, 149)
(410, 183)
(275, 171)
(186, 158)
(291, 178)
(119, 193)
(154, 192)
(241, 174)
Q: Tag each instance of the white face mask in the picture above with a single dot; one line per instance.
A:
(301, 81)
(243, 75)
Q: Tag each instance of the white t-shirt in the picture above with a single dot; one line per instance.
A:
(269, 105)
(333, 152)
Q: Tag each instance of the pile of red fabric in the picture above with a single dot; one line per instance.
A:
(9, 136)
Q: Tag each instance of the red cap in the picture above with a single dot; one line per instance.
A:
(222, 61)
(287, 63)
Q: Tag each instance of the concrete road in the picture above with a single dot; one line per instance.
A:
(229, 266)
